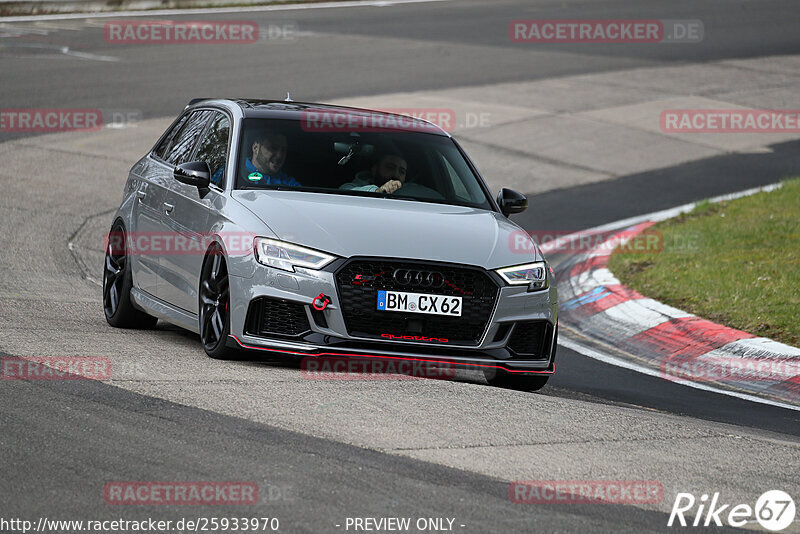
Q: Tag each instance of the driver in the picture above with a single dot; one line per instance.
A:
(263, 167)
(387, 175)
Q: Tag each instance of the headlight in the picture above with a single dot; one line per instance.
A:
(532, 274)
(287, 256)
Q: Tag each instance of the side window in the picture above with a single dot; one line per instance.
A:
(213, 148)
(163, 147)
(187, 137)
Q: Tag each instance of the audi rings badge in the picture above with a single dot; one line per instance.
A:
(418, 278)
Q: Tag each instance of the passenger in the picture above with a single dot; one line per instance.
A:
(387, 175)
(264, 165)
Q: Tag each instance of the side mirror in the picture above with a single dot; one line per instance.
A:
(194, 173)
(511, 201)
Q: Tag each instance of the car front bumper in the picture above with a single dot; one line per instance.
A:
(329, 337)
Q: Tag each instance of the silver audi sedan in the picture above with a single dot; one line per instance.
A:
(315, 230)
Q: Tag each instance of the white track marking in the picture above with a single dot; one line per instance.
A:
(591, 279)
(65, 50)
(611, 360)
(755, 348)
(86, 55)
(637, 315)
(206, 11)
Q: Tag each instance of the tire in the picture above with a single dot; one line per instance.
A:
(214, 305)
(117, 282)
(521, 382)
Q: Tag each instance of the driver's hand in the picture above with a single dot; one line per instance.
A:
(390, 187)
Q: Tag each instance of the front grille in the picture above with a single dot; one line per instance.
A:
(532, 339)
(359, 297)
(276, 317)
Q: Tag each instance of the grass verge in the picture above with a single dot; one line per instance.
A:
(735, 263)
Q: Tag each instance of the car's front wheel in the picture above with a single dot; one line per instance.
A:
(117, 283)
(523, 382)
(214, 317)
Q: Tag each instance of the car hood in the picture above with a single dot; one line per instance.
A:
(347, 225)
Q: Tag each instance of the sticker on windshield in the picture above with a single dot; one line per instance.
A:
(255, 176)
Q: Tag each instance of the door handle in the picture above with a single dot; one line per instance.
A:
(168, 207)
(141, 195)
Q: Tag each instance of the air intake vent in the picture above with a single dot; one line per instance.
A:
(532, 339)
(276, 317)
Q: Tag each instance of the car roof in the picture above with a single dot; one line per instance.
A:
(279, 109)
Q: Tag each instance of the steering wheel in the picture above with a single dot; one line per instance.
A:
(419, 191)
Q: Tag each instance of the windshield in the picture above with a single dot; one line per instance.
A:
(388, 163)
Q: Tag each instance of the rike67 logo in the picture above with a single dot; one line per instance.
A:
(774, 510)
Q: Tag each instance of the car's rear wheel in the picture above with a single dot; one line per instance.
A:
(214, 317)
(117, 283)
(523, 382)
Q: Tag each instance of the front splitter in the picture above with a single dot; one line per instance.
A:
(305, 350)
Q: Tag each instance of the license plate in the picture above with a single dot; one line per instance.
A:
(419, 303)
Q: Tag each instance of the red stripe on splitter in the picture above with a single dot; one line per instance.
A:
(687, 337)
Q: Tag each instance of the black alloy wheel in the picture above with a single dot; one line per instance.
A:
(214, 319)
(117, 282)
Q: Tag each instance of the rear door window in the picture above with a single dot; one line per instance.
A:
(213, 149)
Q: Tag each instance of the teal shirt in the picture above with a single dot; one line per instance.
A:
(280, 178)
(361, 182)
